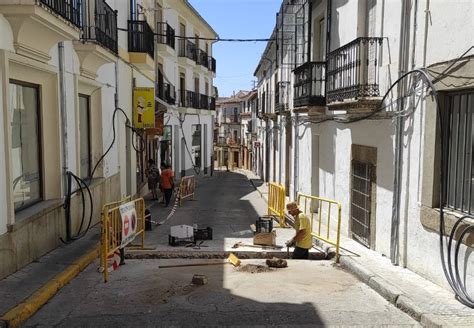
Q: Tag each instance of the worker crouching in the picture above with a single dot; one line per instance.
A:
(302, 240)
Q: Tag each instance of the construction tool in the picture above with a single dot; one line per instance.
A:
(240, 244)
(234, 260)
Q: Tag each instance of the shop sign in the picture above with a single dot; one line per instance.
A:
(144, 108)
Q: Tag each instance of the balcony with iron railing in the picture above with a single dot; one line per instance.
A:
(166, 91)
(187, 49)
(190, 99)
(203, 101)
(141, 37)
(165, 34)
(35, 26)
(212, 64)
(202, 58)
(70, 10)
(353, 71)
(100, 24)
(212, 103)
(282, 96)
(309, 85)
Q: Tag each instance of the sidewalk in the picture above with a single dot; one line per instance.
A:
(430, 304)
(25, 291)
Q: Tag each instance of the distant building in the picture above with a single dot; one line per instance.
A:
(230, 137)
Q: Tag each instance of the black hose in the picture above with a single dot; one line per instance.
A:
(81, 184)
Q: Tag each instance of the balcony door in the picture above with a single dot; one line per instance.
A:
(196, 85)
(182, 42)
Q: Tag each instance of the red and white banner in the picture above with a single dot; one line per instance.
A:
(129, 223)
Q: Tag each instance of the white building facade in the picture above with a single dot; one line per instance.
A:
(185, 89)
(67, 75)
(350, 130)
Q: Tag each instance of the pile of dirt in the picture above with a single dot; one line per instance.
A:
(253, 268)
(277, 263)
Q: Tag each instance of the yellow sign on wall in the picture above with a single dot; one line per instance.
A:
(144, 108)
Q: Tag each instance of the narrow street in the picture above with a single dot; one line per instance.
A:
(306, 293)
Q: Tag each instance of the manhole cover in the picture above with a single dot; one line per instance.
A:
(206, 298)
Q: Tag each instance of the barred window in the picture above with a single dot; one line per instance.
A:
(459, 134)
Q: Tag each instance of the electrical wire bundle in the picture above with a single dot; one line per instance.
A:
(82, 186)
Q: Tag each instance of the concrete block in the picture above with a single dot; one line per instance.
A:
(199, 279)
(384, 288)
(409, 306)
(361, 272)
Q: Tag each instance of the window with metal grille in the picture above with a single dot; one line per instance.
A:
(459, 136)
(361, 202)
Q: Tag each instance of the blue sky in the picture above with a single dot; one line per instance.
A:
(243, 19)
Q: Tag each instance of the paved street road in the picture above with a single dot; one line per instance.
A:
(141, 294)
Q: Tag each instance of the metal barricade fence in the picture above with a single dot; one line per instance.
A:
(276, 202)
(111, 236)
(327, 211)
(187, 187)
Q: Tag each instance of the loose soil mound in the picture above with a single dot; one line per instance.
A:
(253, 268)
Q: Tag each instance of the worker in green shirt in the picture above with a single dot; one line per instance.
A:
(303, 240)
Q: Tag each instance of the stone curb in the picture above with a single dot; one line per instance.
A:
(23, 311)
(392, 294)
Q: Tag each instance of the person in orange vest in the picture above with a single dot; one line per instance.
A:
(167, 182)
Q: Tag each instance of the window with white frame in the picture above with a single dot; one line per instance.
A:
(25, 143)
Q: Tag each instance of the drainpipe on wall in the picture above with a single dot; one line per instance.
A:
(62, 104)
(398, 172)
(280, 149)
(297, 160)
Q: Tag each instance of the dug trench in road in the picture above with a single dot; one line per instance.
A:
(228, 203)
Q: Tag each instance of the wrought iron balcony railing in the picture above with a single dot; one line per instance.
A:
(282, 96)
(166, 34)
(169, 93)
(309, 85)
(212, 64)
(353, 70)
(190, 99)
(165, 91)
(187, 49)
(202, 58)
(203, 101)
(141, 37)
(100, 24)
(212, 103)
(70, 10)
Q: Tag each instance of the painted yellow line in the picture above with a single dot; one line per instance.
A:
(35, 301)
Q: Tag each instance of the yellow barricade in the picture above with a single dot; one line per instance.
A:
(111, 237)
(186, 188)
(276, 202)
(327, 211)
